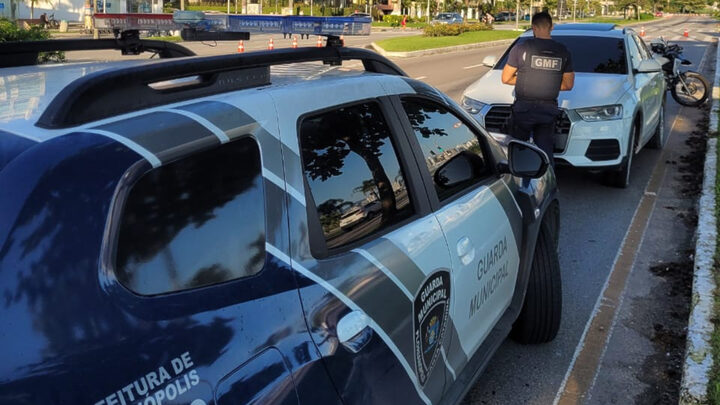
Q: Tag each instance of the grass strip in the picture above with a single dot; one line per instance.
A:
(714, 383)
(419, 42)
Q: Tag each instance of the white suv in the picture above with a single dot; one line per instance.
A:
(617, 102)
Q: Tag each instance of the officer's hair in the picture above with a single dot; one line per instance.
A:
(542, 20)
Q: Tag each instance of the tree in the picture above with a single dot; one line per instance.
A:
(354, 129)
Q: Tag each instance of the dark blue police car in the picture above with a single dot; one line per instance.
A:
(170, 232)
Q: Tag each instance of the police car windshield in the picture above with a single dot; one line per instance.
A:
(589, 54)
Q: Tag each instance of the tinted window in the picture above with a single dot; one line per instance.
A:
(353, 173)
(195, 222)
(442, 136)
(589, 54)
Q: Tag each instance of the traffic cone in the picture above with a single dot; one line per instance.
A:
(642, 31)
(271, 45)
(241, 47)
(685, 33)
(294, 44)
(319, 42)
(342, 40)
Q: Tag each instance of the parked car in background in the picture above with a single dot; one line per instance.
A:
(658, 14)
(447, 18)
(504, 16)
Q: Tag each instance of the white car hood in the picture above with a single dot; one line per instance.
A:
(591, 89)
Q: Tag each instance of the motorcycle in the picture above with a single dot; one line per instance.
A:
(687, 87)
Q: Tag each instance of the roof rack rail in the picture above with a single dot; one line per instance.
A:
(111, 92)
(25, 53)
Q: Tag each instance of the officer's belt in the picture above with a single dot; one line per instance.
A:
(536, 101)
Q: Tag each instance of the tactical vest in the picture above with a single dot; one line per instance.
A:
(540, 74)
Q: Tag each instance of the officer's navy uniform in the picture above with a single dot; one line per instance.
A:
(541, 64)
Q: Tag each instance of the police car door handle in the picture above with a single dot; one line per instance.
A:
(465, 250)
(354, 331)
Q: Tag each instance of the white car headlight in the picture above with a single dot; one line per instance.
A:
(472, 106)
(602, 113)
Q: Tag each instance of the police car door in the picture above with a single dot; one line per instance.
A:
(375, 267)
(482, 240)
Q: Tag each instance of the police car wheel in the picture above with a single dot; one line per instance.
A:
(621, 177)
(539, 319)
(659, 137)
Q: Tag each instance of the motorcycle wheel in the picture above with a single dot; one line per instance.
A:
(697, 86)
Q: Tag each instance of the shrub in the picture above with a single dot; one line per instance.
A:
(396, 20)
(442, 30)
(9, 31)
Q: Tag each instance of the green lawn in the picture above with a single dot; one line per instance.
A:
(419, 42)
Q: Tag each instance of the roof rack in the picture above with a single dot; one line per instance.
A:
(26, 53)
(111, 92)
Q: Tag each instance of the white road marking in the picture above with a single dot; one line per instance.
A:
(473, 66)
(421, 77)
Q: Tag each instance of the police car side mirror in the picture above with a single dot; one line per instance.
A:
(648, 66)
(525, 160)
(489, 61)
(463, 167)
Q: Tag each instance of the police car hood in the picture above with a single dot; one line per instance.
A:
(590, 90)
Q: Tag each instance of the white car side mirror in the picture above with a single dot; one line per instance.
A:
(489, 61)
(649, 66)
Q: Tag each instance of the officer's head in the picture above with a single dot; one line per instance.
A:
(542, 24)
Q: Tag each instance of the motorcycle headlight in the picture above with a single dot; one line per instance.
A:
(472, 106)
(602, 113)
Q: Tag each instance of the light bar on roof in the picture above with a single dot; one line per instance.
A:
(258, 24)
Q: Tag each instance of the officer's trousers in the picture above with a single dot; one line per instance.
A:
(536, 120)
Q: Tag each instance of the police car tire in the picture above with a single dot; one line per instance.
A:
(659, 139)
(539, 319)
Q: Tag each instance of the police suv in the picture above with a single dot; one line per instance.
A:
(614, 110)
(171, 231)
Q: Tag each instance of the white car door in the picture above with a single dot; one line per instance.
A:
(644, 88)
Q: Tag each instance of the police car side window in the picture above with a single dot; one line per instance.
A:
(194, 222)
(442, 136)
(353, 173)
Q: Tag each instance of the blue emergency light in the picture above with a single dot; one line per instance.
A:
(193, 23)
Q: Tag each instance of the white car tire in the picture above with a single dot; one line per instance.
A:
(621, 177)
(659, 139)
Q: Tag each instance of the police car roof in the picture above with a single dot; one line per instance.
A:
(584, 29)
(31, 89)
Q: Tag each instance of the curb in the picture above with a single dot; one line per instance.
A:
(435, 51)
(698, 351)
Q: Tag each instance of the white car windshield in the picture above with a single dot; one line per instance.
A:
(589, 54)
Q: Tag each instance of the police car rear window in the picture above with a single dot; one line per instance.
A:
(589, 54)
(194, 222)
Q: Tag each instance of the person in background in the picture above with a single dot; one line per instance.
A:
(539, 68)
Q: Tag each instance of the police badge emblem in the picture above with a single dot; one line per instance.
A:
(430, 318)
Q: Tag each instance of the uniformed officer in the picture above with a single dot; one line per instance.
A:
(539, 68)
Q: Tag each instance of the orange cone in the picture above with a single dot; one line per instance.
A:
(271, 45)
(241, 47)
(319, 42)
(294, 43)
(642, 31)
(686, 34)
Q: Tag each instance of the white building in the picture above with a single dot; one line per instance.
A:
(74, 10)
